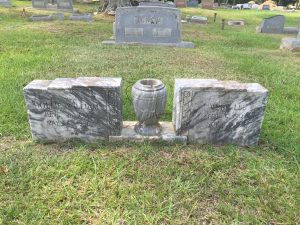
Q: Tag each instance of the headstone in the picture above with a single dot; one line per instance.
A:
(192, 3)
(39, 4)
(236, 22)
(65, 4)
(291, 44)
(219, 112)
(41, 18)
(199, 19)
(207, 4)
(266, 7)
(148, 25)
(274, 24)
(5, 3)
(85, 17)
(180, 3)
(88, 108)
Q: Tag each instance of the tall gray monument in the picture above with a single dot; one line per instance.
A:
(148, 25)
(219, 112)
(88, 108)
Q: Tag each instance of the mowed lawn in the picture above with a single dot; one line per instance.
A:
(148, 183)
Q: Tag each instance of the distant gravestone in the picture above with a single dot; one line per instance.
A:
(39, 4)
(65, 4)
(5, 3)
(199, 19)
(219, 112)
(41, 17)
(207, 4)
(180, 3)
(149, 25)
(236, 22)
(84, 17)
(274, 24)
(291, 44)
(88, 108)
(192, 3)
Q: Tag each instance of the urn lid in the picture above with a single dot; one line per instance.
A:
(149, 85)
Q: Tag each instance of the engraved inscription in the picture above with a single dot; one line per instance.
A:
(134, 31)
(148, 20)
(162, 32)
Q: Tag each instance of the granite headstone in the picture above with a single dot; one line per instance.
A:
(149, 25)
(88, 108)
(219, 112)
(274, 24)
(39, 4)
(65, 4)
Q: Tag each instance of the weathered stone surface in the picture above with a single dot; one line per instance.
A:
(149, 100)
(40, 4)
(41, 18)
(167, 134)
(291, 44)
(219, 112)
(274, 24)
(199, 19)
(149, 25)
(88, 108)
(5, 3)
(236, 22)
(88, 17)
(65, 4)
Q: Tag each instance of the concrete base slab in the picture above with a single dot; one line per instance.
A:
(291, 44)
(291, 30)
(168, 134)
(182, 44)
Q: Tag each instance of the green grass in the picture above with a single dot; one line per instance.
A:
(75, 183)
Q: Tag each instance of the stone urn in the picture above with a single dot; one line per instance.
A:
(149, 101)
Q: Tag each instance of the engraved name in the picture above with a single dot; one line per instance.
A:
(148, 20)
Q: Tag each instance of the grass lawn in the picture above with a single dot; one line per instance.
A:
(76, 183)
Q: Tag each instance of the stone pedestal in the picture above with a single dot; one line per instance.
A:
(167, 134)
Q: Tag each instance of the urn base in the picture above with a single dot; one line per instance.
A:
(148, 130)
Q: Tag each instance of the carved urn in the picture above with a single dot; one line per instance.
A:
(149, 100)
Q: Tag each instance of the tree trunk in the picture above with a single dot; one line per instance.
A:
(110, 6)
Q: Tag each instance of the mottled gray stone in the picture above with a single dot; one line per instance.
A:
(219, 112)
(167, 134)
(149, 101)
(65, 4)
(88, 108)
(274, 24)
(236, 22)
(291, 44)
(88, 17)
(5, 3)
(199, 19)
(149, 25)
(39, 4)
(41, 18)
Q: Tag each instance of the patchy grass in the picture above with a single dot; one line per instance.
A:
(73, 183)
